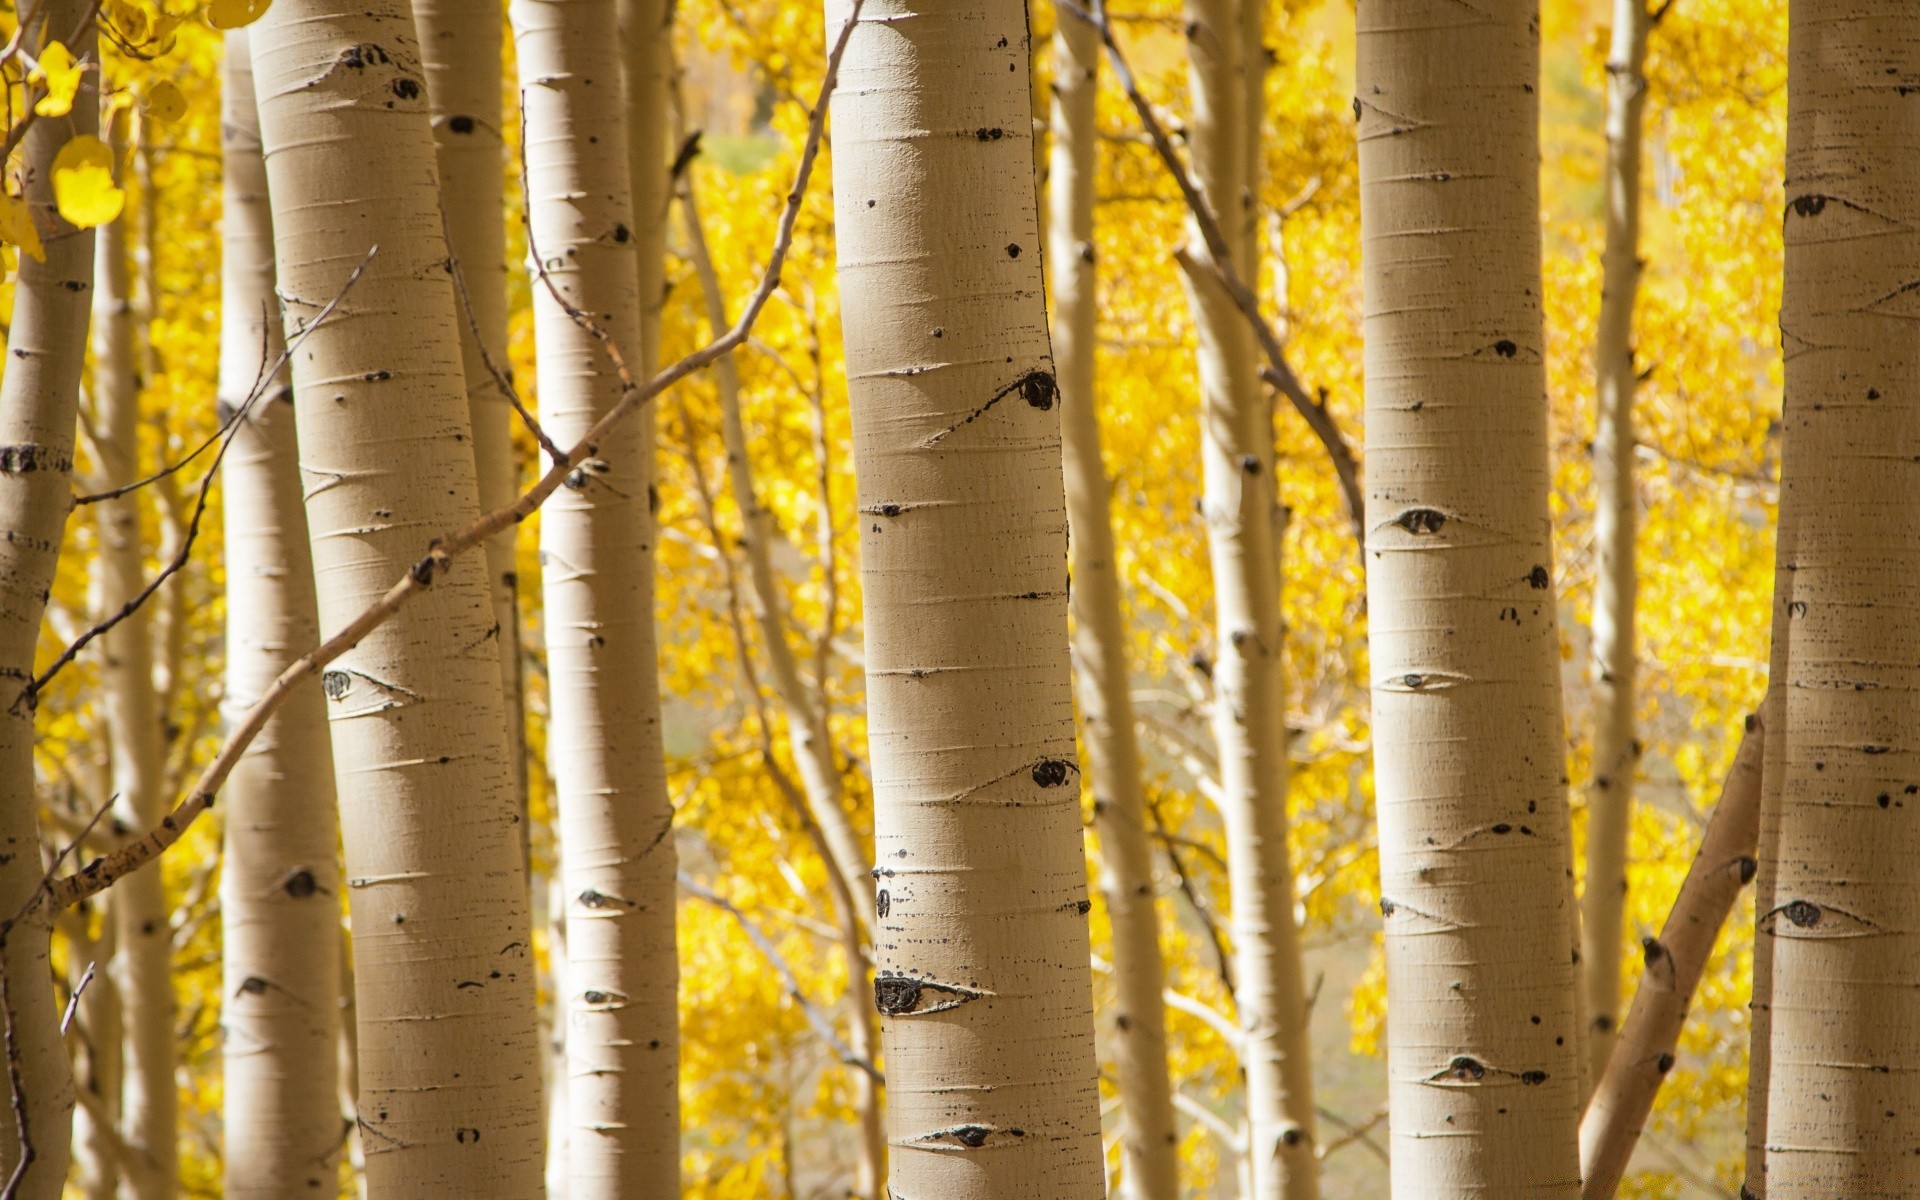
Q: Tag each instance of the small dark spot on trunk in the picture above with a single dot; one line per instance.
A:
(1886, 801)
(1749, 867)
(621, 233)
(1803, 913)
(336, 684)
(1533, 1077)
(1421, 520)
(1050, 773)
(1651, 950)
(1013, 249)
(1083, 907)
(989, 135)
(461, 124)
(466, 1136)
(1250, 463)
(253, 985)
(1386, 907)
(1503, 827)
(1538, 577)
(301, 884)
(1665, 1064)
(974, 1136)
(894, 994)
(406, 89)
(1463, 1067)
(1808, 206)
(1505, 348)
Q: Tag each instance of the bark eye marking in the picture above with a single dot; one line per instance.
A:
(460, 124)
(592, 898)
(253, 985)
(1421, 520)
(1808, 206)
(465, 1136)
(1538, 577)
(406, 89)
(1505, 348)
(1748, 868)
(1470, 1070)
(1802, 913)
(903, 995)
(1050, 772)
(301, 884)
(966, 1137)
(1036, 387)
(882, 903)
(335, 684)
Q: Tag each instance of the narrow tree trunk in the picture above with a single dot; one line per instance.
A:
(1103, 685)
(39, 396)
(1483, 1037)
(982, 975)
(1615, 519)
(450, 1102)
(1844, 911)
(646, 37)
(597, 541)
(1249, 718)
(96, 1159)
(280, 882)
(460, 52)
(808, 735)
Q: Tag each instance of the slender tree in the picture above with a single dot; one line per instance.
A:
(1225, 58)
(1615, 521)
(982, 975)
(1137, 1026)
(450, 1102)
(1483, 1040)
(280, 882)
(39, 396)
(142, 964)
(596, 540)
(1842, 913)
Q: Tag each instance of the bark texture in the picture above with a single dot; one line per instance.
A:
(1483, 1039)
(450, 1102)
(597, 544)
(1843, 1110)
(1774, 716)
(39, 394)
(1225, 61)
(1615, 520)
(982, 974)
(280, 879)
(1137, 1032)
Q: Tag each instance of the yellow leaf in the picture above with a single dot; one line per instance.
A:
(17, 227)
(232, 14)
(83, 187)
(60, 76)
(166, 103)
(133, 23)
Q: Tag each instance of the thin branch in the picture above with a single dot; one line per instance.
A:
(1200, 906)
(1351, 1133)
(501, 377)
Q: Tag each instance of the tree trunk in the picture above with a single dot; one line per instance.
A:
(1483, 1038)
(450, 1101)
(39, 396)
(280, 881)
(1615, 519)
(597, 541)
(1843, 913)
(1249, 718)
(981, 912)
(1138, 1031)
(96, 1158)
(646, 36)
(142, 964)
(460, 52)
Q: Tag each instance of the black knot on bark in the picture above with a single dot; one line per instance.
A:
(894, 994)
(1038, 389)
(1651, 950)
(1421, 520)
(301, 884)
(1050, 773)
(1809, 205)
(1665, 1064)
(335, 684)
(462, 124)
(1533, 1077)
(973, 1136)
(1464, 1067)
(1539, 578)
(1505, 348)
(1386, 907)
(1803, 913)
(1749, 866)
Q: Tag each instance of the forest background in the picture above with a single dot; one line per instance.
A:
(766, 1102)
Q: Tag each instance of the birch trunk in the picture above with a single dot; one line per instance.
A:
(39, 396)
(597, 543)
(460, 52)
(450, 1101)
(1137, 1035)
(1249, 718)
(1844, 917)
(646, 37)
(142, 965)
(1615, 519)
(982, 974)
(96, 1161)
(1483, 1037)
(280, 882)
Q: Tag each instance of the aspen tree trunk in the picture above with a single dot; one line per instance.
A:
(1844, 914)
(807, 731)
(450, 1102)
(460, 51)
(280, 883)
(1249, 719)
(646, 37)
(142, 964)
(597, 541)
(39, 396)
(1483, 1038)
(1615, 519)
(982, 976)
(1103, 685)
(95, 1160)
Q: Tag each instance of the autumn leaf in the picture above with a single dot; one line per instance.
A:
(83, 187)
(60, 75)
(232, 14)
(17, 227)
(166, 103)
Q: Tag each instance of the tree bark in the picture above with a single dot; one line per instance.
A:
(1643, 1054)
(39, 397)
(1615, 520)
(1844, 912)
(95, 1154)
(1483, 1038)
(1137, 1033)
(460, 52)
(1225, 57)
(280, 880)
(450, 1102)
(597, 543)
(142, 965)
(982, 976)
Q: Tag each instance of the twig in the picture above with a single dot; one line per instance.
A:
(102, 872)
(1200, 906)
(1351, 1133)
(501, 378)
(73, 1001)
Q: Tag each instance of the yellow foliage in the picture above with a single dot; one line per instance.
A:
(17, 227)
(60, 75)
(83, 186)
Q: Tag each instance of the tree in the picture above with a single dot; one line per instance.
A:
(982, 975)
(1137, 1030)
(1243, 548)
(596, 540)
(280, 878)
(449, 1051)
(1843, 901)
(1483, 1045)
